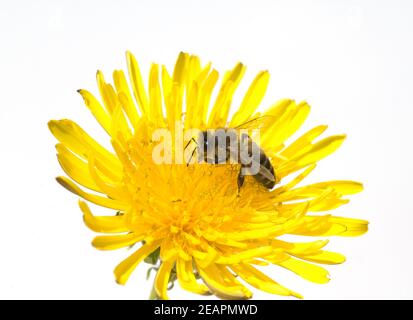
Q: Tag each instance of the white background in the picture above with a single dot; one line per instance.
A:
(351, 60)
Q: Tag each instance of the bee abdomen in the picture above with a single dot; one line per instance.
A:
(267, 183)
(265, 175)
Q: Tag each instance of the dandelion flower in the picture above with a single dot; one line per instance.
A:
(191, 221)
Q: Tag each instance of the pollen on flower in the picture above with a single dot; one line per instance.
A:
(196, 222)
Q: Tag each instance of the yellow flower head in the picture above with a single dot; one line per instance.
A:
(207, 232)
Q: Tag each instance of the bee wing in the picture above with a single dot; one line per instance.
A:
(257, 122)
(266, 173)
(263, 171)
(256, 125)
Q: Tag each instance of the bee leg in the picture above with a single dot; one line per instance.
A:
(189, 142)
(192, 155)
(240, 181)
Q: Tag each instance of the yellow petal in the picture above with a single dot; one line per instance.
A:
(252, 99)
(104, 202)
(324, 257)
(282, 113)
(104, 224)
(271, 231)
(302, 248)
(193, 70)
(107, 93)
(204, 73)
(235, 75)
(193, 98)
(166, 84)
(318, 199)
(327, 204)
(168, 250)
(119, 125)
(354, 227)
(78, 141)
(116, 242)
(257, 262)
(97, 110)
(174, 97)
(338, 188)
(127, 266)
(260, 281)
(306, 270)
(245, 255)
(311, 154)
(75, 168)
(186, 277)
(223, 283)
(219, 113)
(201, 110)
(317, 226)
(192, 103)
(180, 68)
(286, 126)
(206, 256)
(125, 97)
(277, 111)
(320, 150)
(300, 115)
(343, 187)
(155, 97)
(295, 181)
(162, 279)
(331, 226)
(301, 143)
(111, 190)
(137, 83)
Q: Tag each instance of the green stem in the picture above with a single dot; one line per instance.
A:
(153, 295)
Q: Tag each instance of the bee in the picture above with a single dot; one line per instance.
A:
(227, 145)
